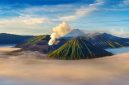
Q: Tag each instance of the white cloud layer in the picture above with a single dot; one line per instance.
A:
(126, 2)
(24, 25)
(82, 11)
(33, 19)
(26, 20)
(119, 32)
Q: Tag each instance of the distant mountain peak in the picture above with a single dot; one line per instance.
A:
(75, 33)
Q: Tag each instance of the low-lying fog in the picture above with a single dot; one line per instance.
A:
(119, 50)
(24, 68)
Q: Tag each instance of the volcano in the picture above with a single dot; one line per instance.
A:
(74, 33)
(98, 40)
(78, 48)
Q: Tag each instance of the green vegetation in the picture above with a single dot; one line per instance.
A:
(35, 40)
(78, 48)
(106, 41)
(109, 44)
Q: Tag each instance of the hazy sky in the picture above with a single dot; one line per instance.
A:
(40, 16)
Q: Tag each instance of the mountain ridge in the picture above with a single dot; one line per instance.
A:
(6, 38)
(99, 40)
(78, 48)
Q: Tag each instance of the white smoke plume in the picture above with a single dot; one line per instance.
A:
(59, 31)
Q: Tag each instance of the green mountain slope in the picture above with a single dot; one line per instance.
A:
(35, 40)
(78, 48)
(105, 40)
(38, 43)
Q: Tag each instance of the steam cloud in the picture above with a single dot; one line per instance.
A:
(59, 31)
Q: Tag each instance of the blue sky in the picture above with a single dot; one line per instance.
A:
(36, 17)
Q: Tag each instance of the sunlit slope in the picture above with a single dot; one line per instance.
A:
(78, 48)
(36, 40)
(105, 40)
(38, 43)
